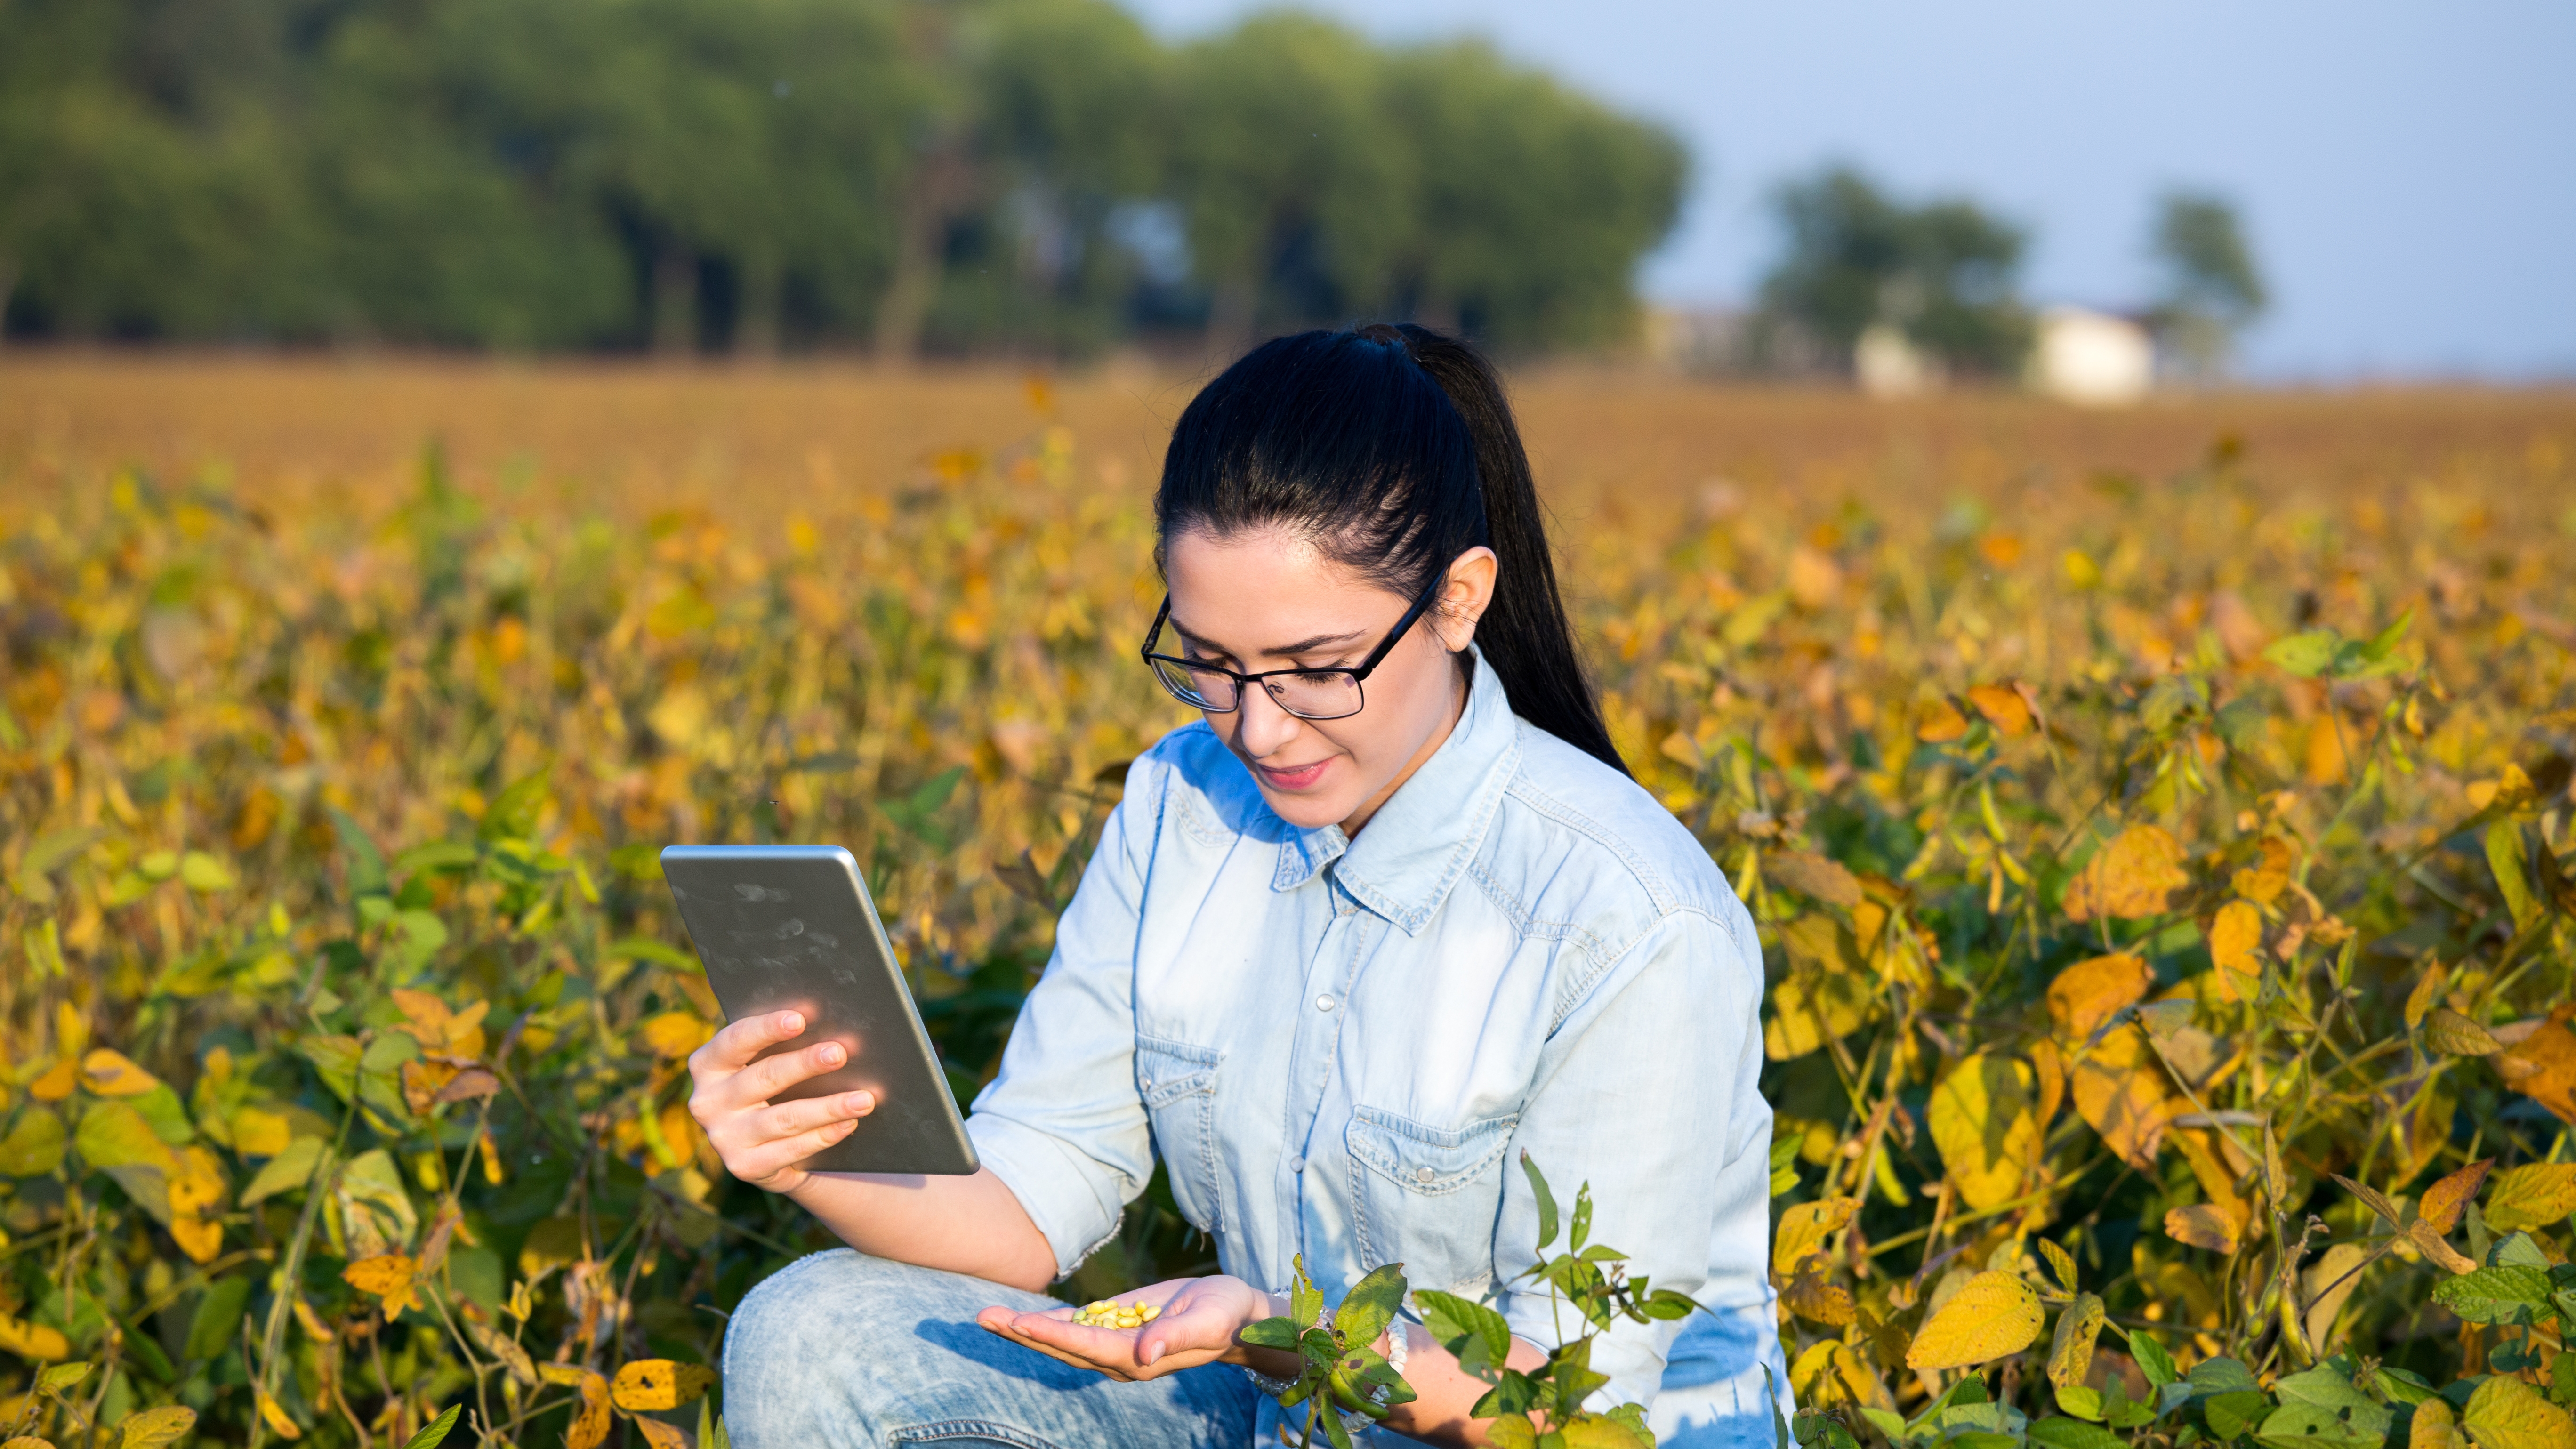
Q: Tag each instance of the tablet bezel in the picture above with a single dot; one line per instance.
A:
(792, 926)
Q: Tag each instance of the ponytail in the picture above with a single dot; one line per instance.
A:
(1393, 449)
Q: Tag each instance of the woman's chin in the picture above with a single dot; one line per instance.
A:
(1305, 811)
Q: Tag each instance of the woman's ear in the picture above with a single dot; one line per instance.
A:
(1466, 596)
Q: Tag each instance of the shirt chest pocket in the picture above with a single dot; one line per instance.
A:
(1178, 1082)
(1427, 1196)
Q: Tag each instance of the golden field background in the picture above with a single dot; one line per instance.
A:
(2154, 818)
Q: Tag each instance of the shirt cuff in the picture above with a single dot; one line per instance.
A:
(1072, 1199)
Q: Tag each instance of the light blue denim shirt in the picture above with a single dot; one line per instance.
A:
(1340, 1047)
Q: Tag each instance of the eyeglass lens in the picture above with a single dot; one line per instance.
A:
(1325, 694)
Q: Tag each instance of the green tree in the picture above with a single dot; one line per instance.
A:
(1942, 273)
(2211, 289)
(1531, 204)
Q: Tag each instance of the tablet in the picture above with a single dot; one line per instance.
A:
(791, 926)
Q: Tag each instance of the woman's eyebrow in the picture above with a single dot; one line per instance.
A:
(1302, 646)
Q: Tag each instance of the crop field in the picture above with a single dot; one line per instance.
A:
(2159, 822)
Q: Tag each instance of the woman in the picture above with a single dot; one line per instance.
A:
(1390, 916)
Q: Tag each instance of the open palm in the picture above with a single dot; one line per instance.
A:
(1199, 1321)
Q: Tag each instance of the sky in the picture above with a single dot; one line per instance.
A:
(2407, 172)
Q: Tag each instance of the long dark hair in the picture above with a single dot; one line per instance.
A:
(1391, 448)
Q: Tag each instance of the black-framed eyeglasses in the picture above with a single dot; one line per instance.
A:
(1306, 693)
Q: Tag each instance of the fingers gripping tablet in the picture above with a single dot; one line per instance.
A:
(791, 928)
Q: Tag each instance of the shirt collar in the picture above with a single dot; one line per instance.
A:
(1419, 842)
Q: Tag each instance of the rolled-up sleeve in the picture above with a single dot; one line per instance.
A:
(1062, 1124)
(1648, 1095)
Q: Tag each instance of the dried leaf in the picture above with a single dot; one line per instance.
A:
(2420, 1000)
(1994, 1314)
(1803, 1230)
(2542, 1066)
(2089, 993)
(2449, 1032)
(2203, 1225)
(2431, 1245)
(1984, 1128)
(2263, 881)
(2447, 1199)
(658, 1383)
(2136, 875)
(1811, 1297)
(1814, 877)
(590, 1425)
(2236, 948)
(2541, 1194)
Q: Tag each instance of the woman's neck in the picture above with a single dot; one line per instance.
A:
(1464, 681)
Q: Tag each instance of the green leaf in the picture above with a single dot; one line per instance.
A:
(1570, 1368)
(1280, 1333)
(2384, 643)
(513, 814)
(1581, 1230)
(1516, 1433)
(1474, 1334)
(2503, 1293)
(1669, 1305)
(1304, 1304)
(2402, 1386)
(2059, 1433)
(2520, 1250)
(436, 856)
(113, 1134)
(434, 1433)
(1602, 1432)
(645, 948)
(2508, 857)
(291, 1168)
(34, 1147)
(1370, 1305)
(2320, 1409)
(2219, 1375)
(57, 1377)
(218, 1314)
(2236, 1412)
(2153, 1360)
(2305, 655)
(365, 863)
(1333, 1429)
(53, 848)
(1546, 1202)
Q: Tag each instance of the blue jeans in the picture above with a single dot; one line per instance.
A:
(844, 1350)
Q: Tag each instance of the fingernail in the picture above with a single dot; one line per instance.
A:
(794, 1022)
(861, 1104)
(1152, 1354)
(832, 1053)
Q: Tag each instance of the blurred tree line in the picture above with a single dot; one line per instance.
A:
(1945, 273)
(1039, 177)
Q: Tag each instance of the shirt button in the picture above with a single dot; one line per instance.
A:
(1423, 1174)
(1296, 1164)
(1324, 1002)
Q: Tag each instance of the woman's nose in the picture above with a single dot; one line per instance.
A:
(1264, 725)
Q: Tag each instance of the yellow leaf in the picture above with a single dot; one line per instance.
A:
(2506, 1413)
(1941, 724)
(2445, 1201)
(423, 1078)
(23, 1441)
(1813, 876)
(1809, 1296)
(1983, 1125)
(2003, 707)
(2420, 1000)
(258, 1132)
(56, 1084)
(388, 1276)
(1803, 1230)
(275, 1415)
(2539, 1195)
(2070, 1354)
(152, 1428)
(32, 1340)
(648, 1384)
(1810, 1009)
(663, 1436)
(675, 1034)
(1831, 1372)
(2264, 881)
(2089, 993)
(2124, 1093)
(2202, 1225)
(2449, 1032)
(2136, 875)
(2434, 1427)
(2236, 948)
(590, 1425)
(1992, 1315)
(112, 1074)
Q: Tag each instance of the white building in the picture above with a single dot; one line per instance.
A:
(2090, 358)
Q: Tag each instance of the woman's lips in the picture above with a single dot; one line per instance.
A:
(1301, 777)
